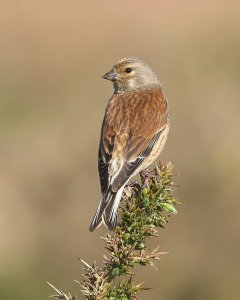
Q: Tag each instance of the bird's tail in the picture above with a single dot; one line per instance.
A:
(107, 210)
(110, 214)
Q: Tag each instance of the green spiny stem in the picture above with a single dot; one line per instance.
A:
(146, 208)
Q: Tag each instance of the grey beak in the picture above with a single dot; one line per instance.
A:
(111, 75)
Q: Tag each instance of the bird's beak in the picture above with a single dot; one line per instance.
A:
(111, 75)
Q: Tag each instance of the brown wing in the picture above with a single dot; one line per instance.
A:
(129, 167)
(132, 125)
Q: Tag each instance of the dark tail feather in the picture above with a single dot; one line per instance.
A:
(99, 215)
(96, 222)
(97, 219)
(110, 214)
(107, 210)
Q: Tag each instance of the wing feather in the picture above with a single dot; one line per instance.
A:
(130, 166)
(132, 125)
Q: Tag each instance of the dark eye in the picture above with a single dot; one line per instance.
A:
(128, 70)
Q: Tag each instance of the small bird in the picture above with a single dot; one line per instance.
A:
(134, 130)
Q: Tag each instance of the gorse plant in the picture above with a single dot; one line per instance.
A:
(147, 207)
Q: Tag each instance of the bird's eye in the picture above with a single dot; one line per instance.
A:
(128, 70)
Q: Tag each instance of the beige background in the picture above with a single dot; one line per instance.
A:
(52, 55)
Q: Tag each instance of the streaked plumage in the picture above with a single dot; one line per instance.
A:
(134, 131)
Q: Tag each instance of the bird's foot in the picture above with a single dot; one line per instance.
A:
(134, 185)
(146, 176)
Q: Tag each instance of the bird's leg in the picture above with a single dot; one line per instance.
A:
(134, 184)
(146, 176)
(129, 188)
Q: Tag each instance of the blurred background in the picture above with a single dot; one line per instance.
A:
(52, 100)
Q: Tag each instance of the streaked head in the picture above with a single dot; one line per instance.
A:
(130, 74)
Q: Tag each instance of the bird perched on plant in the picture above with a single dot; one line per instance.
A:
(134, 130)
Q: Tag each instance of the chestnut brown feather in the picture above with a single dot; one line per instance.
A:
(134, 131)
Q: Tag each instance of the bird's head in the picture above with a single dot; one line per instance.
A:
(130, 74)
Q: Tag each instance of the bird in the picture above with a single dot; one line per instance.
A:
(134, 131)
